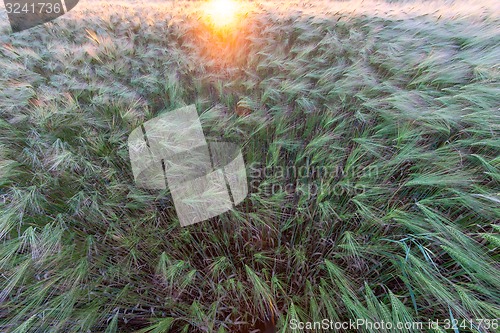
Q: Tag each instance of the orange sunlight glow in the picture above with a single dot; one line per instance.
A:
(222, 14)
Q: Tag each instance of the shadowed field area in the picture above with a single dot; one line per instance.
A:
(370, 133)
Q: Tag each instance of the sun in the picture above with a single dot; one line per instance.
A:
(222, 13)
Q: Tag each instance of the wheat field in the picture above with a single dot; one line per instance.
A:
(370, 133)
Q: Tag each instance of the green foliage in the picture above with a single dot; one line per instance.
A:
(372, 152)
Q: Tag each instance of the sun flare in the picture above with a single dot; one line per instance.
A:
(222, 13)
